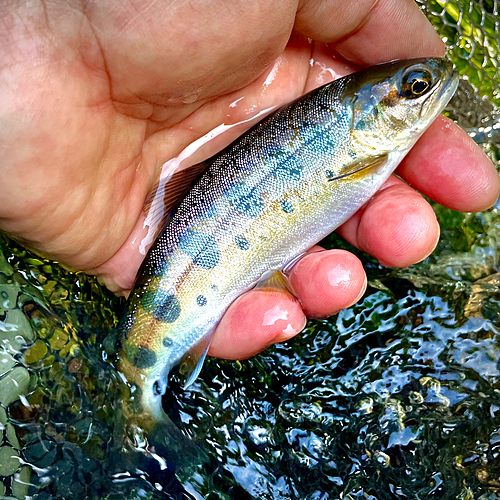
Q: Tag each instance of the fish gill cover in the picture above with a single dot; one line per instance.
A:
(396, 397)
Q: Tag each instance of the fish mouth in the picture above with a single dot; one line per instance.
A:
(449, 85)
(444, 91)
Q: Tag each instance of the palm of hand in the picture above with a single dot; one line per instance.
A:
(106, 120)
(97, 99)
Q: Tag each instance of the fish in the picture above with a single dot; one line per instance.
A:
(264, 200)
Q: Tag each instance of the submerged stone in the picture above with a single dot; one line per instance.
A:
(17, 324)
(58, 339)
(7, 362)
(36, 352)
(21, 483)
(9, 461)
(11, 435)
(5, 267)
(13, 385)
(8, 296)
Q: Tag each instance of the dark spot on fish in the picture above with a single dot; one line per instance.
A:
(251, 204)
(361, 125)
(168, 309)
(162, 306)
(206, 209)
(289, 171)
(286, 206)
(141, 357)
(246, 201)
(201, 300)
(214, 287)
(167, 342)
(201, 247)
(242, 242)
(352, 154)
(330, 174)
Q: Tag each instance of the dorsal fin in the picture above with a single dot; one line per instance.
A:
(175, 182)
(168, 192)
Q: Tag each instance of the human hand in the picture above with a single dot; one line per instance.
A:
(96, 96)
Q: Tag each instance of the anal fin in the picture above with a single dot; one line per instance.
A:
(275, 280)
(192, 362)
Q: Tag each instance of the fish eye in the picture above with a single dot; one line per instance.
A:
(416, 83)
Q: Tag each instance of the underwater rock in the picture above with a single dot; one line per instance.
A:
(21, 483)
(15, 331)
(14, 385)
(9, 460)
(481, 292)
(8, 296)
(7, 362)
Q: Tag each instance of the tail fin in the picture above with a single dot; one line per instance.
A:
(154, 434)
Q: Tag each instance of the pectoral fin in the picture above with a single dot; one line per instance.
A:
(373, 164)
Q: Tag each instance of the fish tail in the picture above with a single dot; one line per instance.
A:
(166, 440)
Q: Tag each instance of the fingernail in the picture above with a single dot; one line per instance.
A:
(361, 293)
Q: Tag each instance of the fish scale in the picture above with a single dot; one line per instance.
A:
(264, 200)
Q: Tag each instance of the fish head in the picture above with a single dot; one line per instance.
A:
(392, 104)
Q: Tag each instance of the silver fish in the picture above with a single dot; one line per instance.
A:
(269, 196)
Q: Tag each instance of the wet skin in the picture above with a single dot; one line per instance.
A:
(95, 97)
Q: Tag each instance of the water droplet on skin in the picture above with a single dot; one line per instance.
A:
(338, 275)
(272, 74)
(289, 330)
(274, 315)
(192, 97)
(234, 103)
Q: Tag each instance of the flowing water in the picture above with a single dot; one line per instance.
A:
(396, 397)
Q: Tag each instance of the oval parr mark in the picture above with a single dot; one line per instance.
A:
(246, 201)
(242, 243)
(201, 247)
(251, 205)
(289, 171)
(140, 357)
(162, 306)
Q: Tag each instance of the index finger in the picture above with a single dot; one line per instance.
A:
(369, 32)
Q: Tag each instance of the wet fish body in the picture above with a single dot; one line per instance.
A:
(268, 197)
